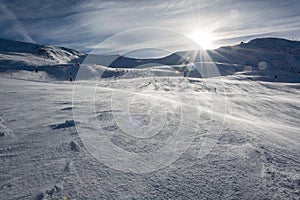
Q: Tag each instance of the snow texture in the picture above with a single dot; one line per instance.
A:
(44, 154)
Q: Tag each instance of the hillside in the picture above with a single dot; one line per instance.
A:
(21, 59)
(141, 130)
(273, 58)
(269, 59)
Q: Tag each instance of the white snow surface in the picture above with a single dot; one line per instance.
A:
(149, 133)
(256, 156)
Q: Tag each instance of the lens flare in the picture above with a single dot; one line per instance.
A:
(262, 65)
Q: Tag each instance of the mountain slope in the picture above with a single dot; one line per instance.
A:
(136, 136)
(275, 57)
(36, 54)
(56, 62)
(269, 59)
(45, 155)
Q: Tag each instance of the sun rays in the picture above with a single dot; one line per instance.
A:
(204, 39)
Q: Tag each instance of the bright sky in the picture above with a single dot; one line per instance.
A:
(83, 24)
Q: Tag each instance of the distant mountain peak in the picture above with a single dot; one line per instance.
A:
(271, 42)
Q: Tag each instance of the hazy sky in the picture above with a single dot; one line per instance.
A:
(82, 24)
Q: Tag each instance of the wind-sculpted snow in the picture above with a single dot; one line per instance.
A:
(256, 156)
(164, 128)
(66, 124)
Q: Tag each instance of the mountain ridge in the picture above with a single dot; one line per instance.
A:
(268, 57)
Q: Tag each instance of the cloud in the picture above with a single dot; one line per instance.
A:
(83, 24)
(16, 28)
(137, 40)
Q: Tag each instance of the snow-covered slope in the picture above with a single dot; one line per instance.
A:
(35, 54)
(143, 131)
(268, 59)
(271, 59)
(44, 154)
(20, 60)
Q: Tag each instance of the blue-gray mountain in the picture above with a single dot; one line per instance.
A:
(270, 59)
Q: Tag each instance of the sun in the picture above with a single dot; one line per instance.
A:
(204, 39)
